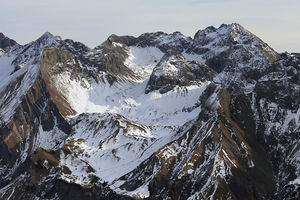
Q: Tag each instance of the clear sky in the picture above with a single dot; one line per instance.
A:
(277, 22)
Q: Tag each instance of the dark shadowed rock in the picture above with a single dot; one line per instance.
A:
(6, 42)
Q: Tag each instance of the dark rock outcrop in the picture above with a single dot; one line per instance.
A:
(6, 42)
(174, 70)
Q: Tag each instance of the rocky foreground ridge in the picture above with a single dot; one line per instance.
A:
(159, 116)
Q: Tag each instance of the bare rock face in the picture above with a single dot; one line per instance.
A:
(53, 63)
(175, 41)
(159, 116)
(230, 45)
(174, 70)
(109, 57)
(35, 120)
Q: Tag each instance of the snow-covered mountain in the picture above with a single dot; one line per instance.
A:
(159, 116)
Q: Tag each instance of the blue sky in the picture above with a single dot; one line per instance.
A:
(277, 22)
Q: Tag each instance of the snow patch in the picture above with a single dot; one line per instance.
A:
(6, 67)
(80, 173)
(142, 60)
(193, 57)
(229, 158)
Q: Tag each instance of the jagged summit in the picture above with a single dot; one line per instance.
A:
(223, 28)
(47, 35)
(6, 42)
(126, 40)
(164, 41)
(48, 38)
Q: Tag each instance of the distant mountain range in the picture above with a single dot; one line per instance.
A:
(159, 116)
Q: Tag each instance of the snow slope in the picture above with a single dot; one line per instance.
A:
(142, 60)
(157, 117)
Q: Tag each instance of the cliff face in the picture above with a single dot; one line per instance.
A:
(160, 116)
(49, 73)
(36, 122)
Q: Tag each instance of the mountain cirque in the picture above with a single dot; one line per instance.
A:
(159, 116)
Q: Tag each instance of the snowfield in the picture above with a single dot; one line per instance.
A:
(157, 117)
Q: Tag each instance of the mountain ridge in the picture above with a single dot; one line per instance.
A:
(156, 116)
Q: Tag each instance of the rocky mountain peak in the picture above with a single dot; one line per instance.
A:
(164, 41)
(31, 52)
(225, 35)
(76, 48)
(49, 35)
(125, 40)
(48, 39)
(6, 42)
